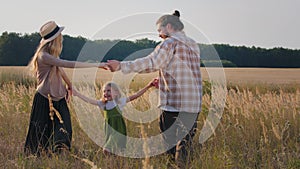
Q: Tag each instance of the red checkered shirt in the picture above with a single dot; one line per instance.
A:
(177, 59)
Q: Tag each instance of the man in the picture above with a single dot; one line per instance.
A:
(177, 58)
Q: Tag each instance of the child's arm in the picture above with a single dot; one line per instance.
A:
(84, 98)
(154, 82)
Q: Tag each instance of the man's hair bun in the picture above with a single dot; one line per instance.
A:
(176, 13)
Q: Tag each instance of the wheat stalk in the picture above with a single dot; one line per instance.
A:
(87, 161)
(266, 140)
(146, 162)
(53, 110)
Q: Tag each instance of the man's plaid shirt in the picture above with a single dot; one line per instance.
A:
(177, 59)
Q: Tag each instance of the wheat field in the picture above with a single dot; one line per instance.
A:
(259, 128)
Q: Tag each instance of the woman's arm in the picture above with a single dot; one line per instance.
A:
(84, 98)
(51, 60)
(152, 83)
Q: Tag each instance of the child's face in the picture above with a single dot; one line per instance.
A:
(109, 94)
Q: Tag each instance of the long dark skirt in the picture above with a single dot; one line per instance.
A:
(45, 135)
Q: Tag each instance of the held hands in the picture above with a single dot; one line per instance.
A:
(154, 83)
(103, 65)
(69, 93)
(112, 65)
(75, 92)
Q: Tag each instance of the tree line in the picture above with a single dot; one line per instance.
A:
(17, 49)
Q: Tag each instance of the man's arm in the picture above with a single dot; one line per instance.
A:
(158, 59)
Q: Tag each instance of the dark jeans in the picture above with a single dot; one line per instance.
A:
(178, 130)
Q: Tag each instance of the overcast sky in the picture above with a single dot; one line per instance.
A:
(260, 23)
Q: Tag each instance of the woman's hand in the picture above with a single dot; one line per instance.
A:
(69, 94)
(104, 66)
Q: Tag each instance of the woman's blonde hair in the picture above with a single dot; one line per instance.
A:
(53, 47)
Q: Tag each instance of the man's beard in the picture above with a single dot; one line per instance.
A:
(163, 36)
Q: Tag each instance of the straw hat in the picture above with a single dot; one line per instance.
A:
(50, 31)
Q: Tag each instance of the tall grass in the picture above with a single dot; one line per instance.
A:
(260, 128)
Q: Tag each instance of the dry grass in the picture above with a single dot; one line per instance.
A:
(260, 128)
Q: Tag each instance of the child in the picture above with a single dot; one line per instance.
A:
(112, 104)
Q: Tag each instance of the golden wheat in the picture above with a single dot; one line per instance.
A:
(260, 128)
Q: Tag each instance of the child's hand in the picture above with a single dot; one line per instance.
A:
(75, 92)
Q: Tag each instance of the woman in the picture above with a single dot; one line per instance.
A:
(54, 134)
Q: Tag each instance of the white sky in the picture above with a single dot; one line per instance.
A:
(260, 23)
